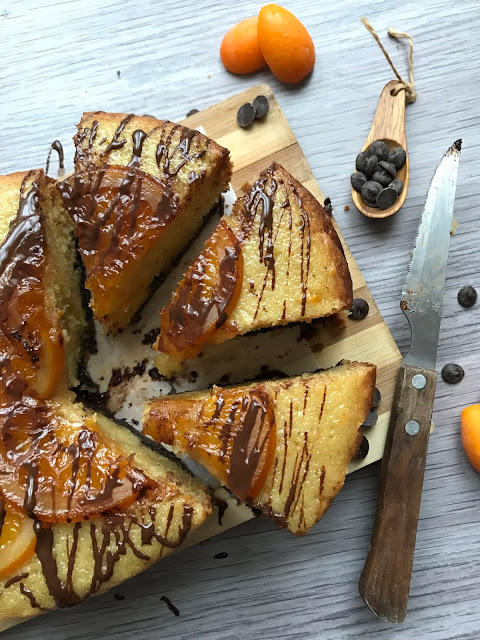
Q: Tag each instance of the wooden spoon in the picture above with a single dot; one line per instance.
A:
(389, 126)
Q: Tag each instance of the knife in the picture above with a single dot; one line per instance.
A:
(385, 580)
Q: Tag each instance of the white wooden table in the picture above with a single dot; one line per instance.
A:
(59, 58)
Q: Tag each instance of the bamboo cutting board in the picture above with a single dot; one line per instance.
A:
(252, 150)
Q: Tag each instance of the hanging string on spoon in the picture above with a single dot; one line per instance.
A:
(408, 87)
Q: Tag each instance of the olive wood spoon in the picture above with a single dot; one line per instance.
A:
(389, 126)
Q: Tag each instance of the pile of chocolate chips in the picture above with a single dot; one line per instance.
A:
(375, 177)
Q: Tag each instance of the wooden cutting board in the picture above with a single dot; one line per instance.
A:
(252, 150)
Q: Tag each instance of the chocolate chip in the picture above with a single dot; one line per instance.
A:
(389, 167)
(387, 198)
(246, 115)
(359, 310)
(377, 398)
(192, 112)
(370, 191)
(361, 161)
(397, 157)
(382, 177)
(379, 149)
(261, 106)
(362, 449)
(372, 165)
(397, 185)
(357, 180)
(467, 297)
(452, 373)
(371, 419)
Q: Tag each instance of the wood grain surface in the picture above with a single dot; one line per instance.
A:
(61, 57)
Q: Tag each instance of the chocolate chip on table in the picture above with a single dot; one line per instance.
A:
(357, 180)
(452, 373)
(371, 419)
(372, 166)
(246, 115)
(397, 185)
(379, 149)
(362, 449)
(389, 167)
(382, 177)
(377, 398)
(467, 297)
(370, 191)
(359, 310)
(387, 198)
(261, 106)
(361, 161)
(397, 157)
(192, 112)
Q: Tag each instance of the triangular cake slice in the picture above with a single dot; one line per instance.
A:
(140, 192)
(282, 446)
(275, 259)
(43, 325)
(83, 505)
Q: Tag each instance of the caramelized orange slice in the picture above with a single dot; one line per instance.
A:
(60, 470)
(206, 297)
(31, 340)
(17, 541)
(232, 434)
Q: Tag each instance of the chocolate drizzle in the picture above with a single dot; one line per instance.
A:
(262, 197)
(139, 138)
(110, 539)
(31, 489)
(109, 202)
(249, 442)
(22, 253)
(115, 143)
(56, 146)
(181, 150)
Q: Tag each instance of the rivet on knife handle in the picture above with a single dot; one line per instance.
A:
(385, 581)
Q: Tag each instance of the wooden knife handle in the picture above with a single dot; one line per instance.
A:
(385, 580)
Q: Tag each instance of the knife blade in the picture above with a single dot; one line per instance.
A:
(385, 581)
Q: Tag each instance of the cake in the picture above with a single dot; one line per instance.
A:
(274, 260)
(281, 446)
(84, 505)
(140, 191)
(43, 325)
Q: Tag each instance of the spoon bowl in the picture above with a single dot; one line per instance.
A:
(388, 126)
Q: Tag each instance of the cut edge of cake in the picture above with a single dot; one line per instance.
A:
(280, 242)
(310, 412)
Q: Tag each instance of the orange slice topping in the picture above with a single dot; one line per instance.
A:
(231, 433)
(58, 470)
(17, 541)
(206, 297)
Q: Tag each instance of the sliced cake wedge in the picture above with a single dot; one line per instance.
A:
(275, 259)
(43, 324)
(140, 191)
(282, 446)
(84, 505)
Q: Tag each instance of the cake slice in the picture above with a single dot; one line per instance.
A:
(84, 505)
(140, 191)
(276, 259)
(282, 446)
(43, 324)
